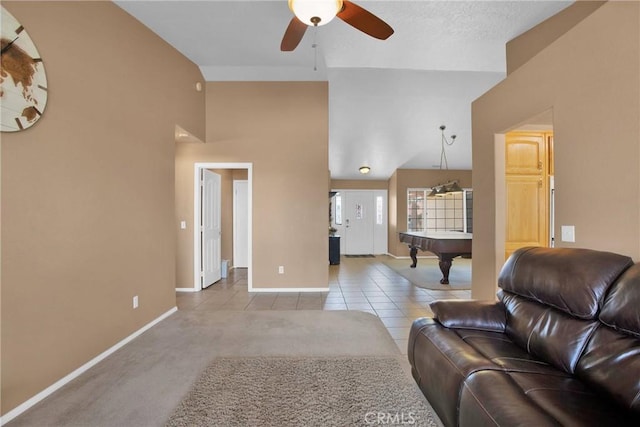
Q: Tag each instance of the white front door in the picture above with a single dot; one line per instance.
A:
(359, 218)
(210, 226)
(240, 224)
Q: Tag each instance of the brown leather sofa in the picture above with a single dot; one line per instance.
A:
(561, 346)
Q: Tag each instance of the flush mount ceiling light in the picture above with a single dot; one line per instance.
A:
(364, 170)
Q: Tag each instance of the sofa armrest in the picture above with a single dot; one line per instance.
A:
(470, 314)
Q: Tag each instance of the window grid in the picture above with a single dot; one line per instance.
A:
(416, 213)
(450, 212)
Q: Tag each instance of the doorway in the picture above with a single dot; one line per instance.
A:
(198, 238)
(240, 223)
(529, 190)
(360, 218)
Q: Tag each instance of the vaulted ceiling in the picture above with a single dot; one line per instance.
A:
(387, 99)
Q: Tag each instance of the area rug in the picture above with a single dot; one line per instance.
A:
(303, 391)
(427, 274)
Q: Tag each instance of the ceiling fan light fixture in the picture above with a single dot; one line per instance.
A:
(315, 12)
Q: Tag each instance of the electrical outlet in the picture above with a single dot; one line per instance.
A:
(135, 301)
(281, 269)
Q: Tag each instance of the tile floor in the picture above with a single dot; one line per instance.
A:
(364, 284)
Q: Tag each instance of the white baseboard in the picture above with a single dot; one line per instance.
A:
(68, 378)
(289, 290)
(187, 290)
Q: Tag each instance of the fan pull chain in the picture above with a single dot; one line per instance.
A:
(315, 48)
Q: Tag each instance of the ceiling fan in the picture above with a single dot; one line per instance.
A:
(312, 13)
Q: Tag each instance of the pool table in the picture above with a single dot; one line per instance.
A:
(445, 244)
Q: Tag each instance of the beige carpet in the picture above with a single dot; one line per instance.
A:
(295, 391)
(427, 274)
(142, 383)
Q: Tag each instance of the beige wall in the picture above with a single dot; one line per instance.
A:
(359, 184)
(88, 192)
(591, 83)
(282, 129)
(527, 45)
(403, 179)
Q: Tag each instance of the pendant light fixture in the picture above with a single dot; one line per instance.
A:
(441, 190)
(454, 188)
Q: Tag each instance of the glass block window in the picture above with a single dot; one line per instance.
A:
(379, 210)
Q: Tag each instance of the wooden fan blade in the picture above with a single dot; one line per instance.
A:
(364, 21)
(293, 35)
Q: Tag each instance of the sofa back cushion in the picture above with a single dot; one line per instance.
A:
(611, 361)
(548, 334)
(552, 298)
(621, 309)
(569, 279)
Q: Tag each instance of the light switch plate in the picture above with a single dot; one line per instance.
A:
(568, 233)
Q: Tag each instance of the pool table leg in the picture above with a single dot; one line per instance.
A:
(445, 266)
(413, 251)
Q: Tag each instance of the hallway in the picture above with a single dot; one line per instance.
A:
(364, 284)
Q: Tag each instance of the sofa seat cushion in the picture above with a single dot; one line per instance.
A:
(497, 398)
(441, 359)
(440, 362)
(504, 354)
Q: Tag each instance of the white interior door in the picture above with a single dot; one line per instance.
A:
(359, 219)
(210, 226)
(240, 224)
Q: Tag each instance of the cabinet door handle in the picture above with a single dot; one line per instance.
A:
(540, 165)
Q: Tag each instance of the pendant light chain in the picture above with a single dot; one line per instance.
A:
(443, 153)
